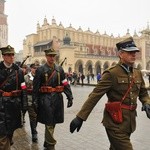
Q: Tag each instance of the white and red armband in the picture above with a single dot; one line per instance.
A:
(65, 82)
(23, 86)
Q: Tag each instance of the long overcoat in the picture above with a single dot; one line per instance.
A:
(50, 105)
(10, 107)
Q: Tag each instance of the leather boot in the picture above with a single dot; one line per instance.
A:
(33, 131)
(48, 146)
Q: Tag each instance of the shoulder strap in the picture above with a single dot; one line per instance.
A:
(4, 82)
(50, 76)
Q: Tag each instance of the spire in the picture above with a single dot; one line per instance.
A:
(53, 20)
(45, 21)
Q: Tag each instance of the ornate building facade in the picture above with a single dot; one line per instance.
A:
(82, 51)
(3, 26)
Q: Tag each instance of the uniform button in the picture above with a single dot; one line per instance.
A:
(123, 81)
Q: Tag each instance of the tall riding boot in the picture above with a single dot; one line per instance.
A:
(34, 131)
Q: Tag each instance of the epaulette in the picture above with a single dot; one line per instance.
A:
(110, 68)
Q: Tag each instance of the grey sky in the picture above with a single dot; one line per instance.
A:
(112, 16)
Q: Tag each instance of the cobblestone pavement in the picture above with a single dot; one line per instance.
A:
(91, 136)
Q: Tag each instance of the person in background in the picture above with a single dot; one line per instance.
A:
(25, 71)
(98, 77)
(13, 97)
(122, 84)
(31, 111)
(48, 84)
(88, 78)
(82, 79)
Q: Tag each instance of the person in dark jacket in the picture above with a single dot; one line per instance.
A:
(123, 84)
(13, 97)
(48, 84)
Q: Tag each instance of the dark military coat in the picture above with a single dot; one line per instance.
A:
(50, 105)
(114, 83)
(10, 107)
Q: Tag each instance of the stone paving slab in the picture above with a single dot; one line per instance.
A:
(91, 136)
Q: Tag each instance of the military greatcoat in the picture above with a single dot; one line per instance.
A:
(10, 106)
(50, 105)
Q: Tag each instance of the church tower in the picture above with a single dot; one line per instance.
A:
(3, 25)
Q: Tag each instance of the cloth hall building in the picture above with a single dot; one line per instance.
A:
(82, 51)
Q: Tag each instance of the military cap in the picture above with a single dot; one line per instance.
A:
(7, 50)
(34, 65)
(127, 45)
(54, 45)
(50, 51)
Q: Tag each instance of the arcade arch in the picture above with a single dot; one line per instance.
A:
(89, 67)
(106, 65)
(98, 65)
(79, 66)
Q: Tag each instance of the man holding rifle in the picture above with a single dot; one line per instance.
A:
(122, 84)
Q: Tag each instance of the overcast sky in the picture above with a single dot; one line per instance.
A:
(112, 16)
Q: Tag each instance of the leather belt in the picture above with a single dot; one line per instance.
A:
(14, 93)
(49, 89)
(129, 107)
(29, 91)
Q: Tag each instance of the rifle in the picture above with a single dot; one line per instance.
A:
(21, 65)
(63, 61)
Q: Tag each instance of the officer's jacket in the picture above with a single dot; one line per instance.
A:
(114, 83)
(10, 107)
(50, 105)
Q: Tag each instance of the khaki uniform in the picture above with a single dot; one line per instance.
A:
(32, 114)
(115, 82)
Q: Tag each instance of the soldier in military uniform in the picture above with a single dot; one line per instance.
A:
(48, 84)
(114, 83)
(32, 114)
(13, 97)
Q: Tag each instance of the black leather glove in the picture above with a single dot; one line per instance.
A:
(76, 123)
(69, 104)
(146, 108)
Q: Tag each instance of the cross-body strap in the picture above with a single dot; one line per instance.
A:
(8, 78)
(4, 82)
(50, 77)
